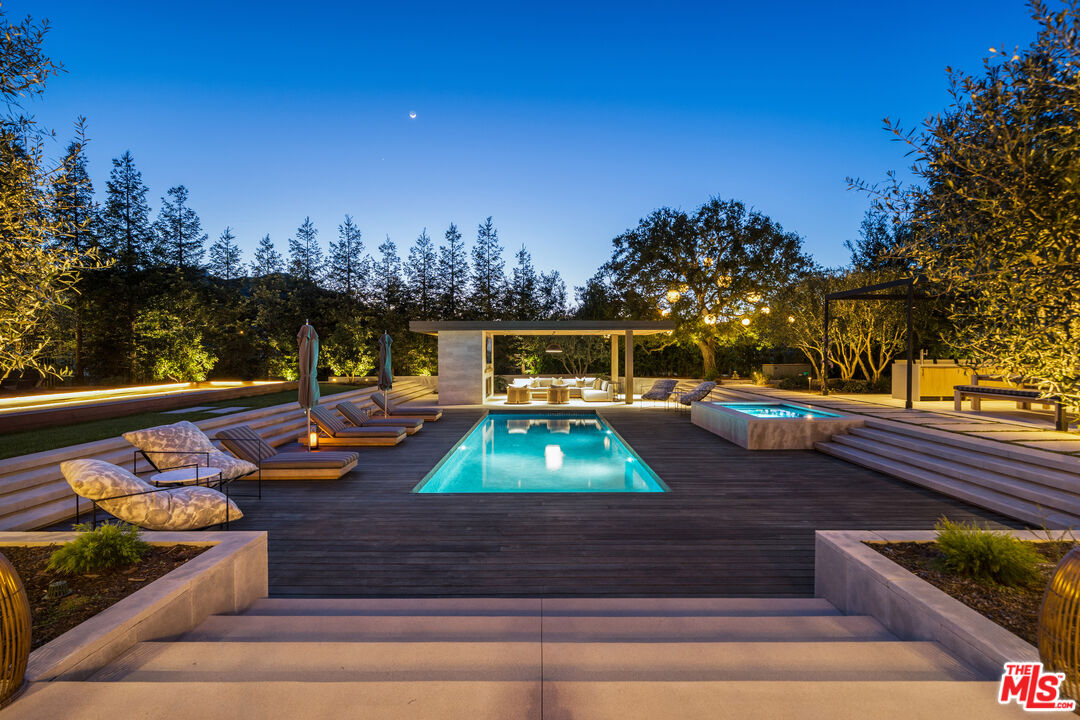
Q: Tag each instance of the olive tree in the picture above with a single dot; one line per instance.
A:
(713, 271)
(995, 216)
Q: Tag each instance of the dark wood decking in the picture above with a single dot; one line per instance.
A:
(735, 522)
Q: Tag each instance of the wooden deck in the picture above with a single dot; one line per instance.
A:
(735, 523)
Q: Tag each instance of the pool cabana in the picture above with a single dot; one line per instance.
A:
(466, 369)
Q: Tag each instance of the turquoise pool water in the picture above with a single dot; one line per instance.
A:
(525, 453)
(776, 410)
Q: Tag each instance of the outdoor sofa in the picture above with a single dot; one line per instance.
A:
(589, 389)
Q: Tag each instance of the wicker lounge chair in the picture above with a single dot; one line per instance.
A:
(336, 432)
(698, 393)
(247, 444)
(416, 411)
(360, 417)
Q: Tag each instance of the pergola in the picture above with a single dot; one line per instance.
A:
(466, 371)
(873, 294)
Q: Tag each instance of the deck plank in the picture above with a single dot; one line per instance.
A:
(737, 523)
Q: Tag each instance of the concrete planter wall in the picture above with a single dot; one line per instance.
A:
(860, 581)
(225, 579)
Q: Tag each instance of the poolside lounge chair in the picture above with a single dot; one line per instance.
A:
(133, 500)
(337, 433)
(416, 411)
(698, 393)
(360, 417)
(661, 390)
(183, 444)
(247, 444)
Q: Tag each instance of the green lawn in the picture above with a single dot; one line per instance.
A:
(31, 441)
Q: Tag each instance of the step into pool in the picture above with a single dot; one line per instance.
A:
(541, 452)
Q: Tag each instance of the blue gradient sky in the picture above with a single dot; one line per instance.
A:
(566, 124)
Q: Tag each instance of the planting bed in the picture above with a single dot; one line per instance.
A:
(91, 593)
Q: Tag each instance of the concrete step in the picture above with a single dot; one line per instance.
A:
(480, 700)
(1005, 504)
(512, 661)
(325, 662)
(573, 628)
(1068, 481)
(1047, 497)
(633, 607)
(1054, 461)
(46, 514)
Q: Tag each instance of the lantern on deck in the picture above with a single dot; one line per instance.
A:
(1059, 623)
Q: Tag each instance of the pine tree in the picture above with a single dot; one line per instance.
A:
(225, 257)
(453, 276)
(552, 296)
(76, 212)
(348, 265)
(420, 270)
(126, 232)
(180, 238)
(305, 255)
(267, 260)
(386, 277)
(76, 217)
(522, 301)
(488, 279)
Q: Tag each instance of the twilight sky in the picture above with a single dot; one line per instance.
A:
(565, 123)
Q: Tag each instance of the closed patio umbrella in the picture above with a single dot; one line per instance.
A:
(386, 372)
(308, 388)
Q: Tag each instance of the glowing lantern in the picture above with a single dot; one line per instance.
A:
(709, 319)
(766, 310)
(673, 296)
(745, 322)
(791, 318)
(665, 312)
(753, 298)
(313, 439)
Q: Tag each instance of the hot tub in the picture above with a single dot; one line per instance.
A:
(770, 426)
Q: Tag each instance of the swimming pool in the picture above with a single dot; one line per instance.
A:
(545, 452)
(776, 410)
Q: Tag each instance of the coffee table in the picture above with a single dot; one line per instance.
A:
(187, 476)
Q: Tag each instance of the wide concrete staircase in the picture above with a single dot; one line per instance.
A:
(1037, 487)
(527, 658)
(34, 494)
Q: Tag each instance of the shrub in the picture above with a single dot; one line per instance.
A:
(759, 378)
(797, 382)
(110, 545)
(986, 556)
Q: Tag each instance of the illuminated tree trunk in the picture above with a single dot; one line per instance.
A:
(708, 357)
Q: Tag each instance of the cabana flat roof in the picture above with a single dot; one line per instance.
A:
(545, 327)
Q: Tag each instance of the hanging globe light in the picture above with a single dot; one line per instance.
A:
(673, 296)
(745, 322)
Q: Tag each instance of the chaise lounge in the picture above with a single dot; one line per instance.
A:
(133, 500)
(336, 432)
(360, 417)
(411, 411)
(248, 445)
(698, 393)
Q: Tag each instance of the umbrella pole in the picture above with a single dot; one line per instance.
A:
(385, 411)
(307, 429)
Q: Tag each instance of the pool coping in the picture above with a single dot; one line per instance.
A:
(664, 487)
